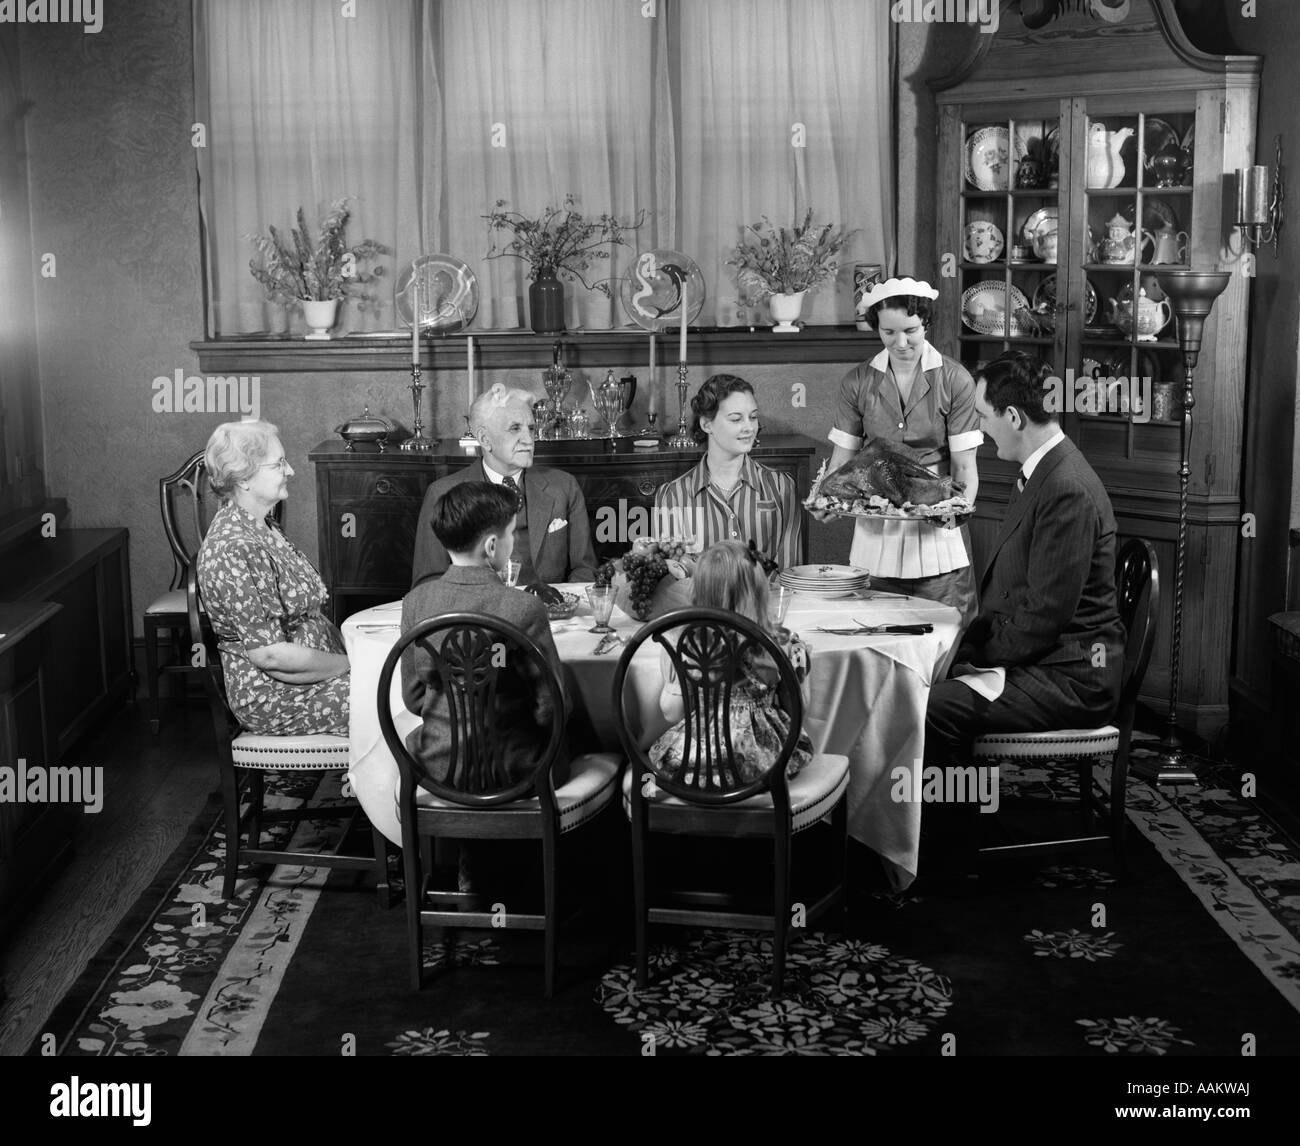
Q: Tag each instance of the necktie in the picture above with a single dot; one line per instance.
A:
(1020, 481)
(513, 487)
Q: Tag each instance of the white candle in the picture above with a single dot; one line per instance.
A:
(681, 347)
(650, 378)
(469, 371)
(415, 319)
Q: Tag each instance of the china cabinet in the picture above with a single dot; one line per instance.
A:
(1076, 162)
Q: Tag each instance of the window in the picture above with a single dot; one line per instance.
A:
(704, 114)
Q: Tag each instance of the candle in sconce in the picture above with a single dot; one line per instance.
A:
(1256, 195)
(415, 319)
(650, 378)
(686, 310)
(469, 372)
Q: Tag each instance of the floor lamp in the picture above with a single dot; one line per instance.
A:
(1193, 294)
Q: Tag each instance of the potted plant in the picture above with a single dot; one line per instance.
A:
(317, 275)
(783, 264)
(559, 243)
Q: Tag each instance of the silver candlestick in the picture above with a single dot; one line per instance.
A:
(417, 440)
(682, 440)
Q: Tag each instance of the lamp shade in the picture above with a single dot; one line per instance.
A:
(1192, 294)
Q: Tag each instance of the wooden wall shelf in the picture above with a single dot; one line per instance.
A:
(511, 349)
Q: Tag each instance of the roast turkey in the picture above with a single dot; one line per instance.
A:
(890, 471)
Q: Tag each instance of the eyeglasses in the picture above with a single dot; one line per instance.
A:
(282, 465)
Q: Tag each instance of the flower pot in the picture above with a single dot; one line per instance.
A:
(320, 316)
(785, 309)
(546, 303)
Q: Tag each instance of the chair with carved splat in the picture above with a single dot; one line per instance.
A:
(709, 797)
(479, 798)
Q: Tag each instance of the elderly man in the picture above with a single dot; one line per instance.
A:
(552, 533)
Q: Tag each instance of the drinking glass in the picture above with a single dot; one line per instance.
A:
(510, 574)
(602, 605)
(778, 603)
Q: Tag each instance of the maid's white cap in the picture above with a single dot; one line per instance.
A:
(893, 287)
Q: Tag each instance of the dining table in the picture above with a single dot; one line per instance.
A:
(867, 700)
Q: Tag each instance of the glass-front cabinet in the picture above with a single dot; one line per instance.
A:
(1075, 164)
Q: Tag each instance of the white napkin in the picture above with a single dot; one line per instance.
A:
(988, 682)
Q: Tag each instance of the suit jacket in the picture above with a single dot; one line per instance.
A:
(523, 709)
(1047, 599)
(560, 554)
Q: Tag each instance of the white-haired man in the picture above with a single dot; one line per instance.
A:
(552, 532)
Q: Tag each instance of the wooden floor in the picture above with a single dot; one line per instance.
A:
(154, 786)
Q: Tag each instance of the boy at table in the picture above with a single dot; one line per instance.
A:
(475, 521)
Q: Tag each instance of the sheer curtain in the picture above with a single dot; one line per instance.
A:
(304, 106)
(758, 78)
(427, 112)
(545, 97)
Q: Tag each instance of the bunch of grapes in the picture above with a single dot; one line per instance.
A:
(643, 571)
(605, 574)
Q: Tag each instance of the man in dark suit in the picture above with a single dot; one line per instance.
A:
(1048, 637)
(476, 522)
(553, 534)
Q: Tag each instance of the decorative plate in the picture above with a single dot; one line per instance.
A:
(1045, 218)
(983, 242)
(1156, 136)
(988, 158)
(448, 293)
(1189, 143)
(1045, 301)
(651, 289)
(984, 308)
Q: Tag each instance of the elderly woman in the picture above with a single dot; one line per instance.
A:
(911, 394)
(729, 496)
(286, 671)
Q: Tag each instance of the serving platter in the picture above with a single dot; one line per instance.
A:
(448, 293)
(984, 309)
(1045, 218)
(651, 289)
(1045, 301)
(876, 506)
(988, 158)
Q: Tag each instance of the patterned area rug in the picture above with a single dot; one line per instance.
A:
(1199, 951)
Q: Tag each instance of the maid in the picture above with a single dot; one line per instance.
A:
(911, 394)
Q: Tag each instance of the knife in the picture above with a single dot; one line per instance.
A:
(868, 630)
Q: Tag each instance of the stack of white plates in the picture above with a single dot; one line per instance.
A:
(825, 580)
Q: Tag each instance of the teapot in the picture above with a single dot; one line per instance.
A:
(1148, 317)
(1105, 167)
(1166, 246)
(1119, 244)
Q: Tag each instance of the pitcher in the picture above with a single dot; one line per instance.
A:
(1105, 166)
(1166, 246)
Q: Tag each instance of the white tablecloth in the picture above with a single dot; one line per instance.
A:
(867, 702)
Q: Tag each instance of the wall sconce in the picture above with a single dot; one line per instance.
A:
(1259, 213)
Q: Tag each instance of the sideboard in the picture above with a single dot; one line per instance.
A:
(368, 502)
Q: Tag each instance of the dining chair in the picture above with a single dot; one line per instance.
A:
(187, 505)
(1137, 582)
(479, 798)
(248, 756)
(709, 797)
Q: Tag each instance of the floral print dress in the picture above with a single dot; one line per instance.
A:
(759, 725)
(259, 589)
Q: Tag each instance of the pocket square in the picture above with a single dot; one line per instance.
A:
(557, 524)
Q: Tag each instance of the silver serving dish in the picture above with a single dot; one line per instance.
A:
(366, 428)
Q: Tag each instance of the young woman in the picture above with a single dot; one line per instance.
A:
(911, 394)
(729, 576)
(729, 496)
